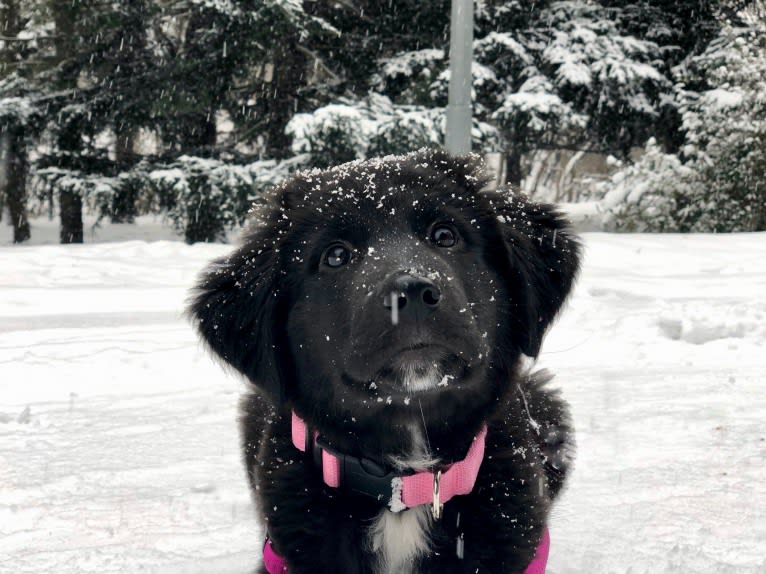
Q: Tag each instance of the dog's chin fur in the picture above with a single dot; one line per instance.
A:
(414, 378)
(313, 338)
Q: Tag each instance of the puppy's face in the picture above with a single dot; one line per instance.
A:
(396, 285)
(365, 287)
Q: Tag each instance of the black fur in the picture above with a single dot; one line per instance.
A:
(312, 338)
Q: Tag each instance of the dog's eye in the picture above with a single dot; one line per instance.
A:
(444, 236)
(337, 256)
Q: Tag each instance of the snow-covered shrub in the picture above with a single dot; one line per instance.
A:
(100, 194)
(96, 192)
(125, 204)
(375, 126)
(16, 111)
(333, 134)
(202, 197)
(654, 194)
(408, 130)
(205, 197)
(536, 109)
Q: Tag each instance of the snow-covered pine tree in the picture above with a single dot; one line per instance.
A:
(568, 74)
(717, 179)
(680, 29)
(257, 61)
(80, 72)
(89, 77)
(725, 125)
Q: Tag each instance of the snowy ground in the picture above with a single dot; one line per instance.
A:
(118, 445)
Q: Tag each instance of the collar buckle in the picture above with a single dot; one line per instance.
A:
(358, 474)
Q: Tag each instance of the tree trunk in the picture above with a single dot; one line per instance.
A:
(199, 133)
(124, 202)
(281, 98)
(513, 168)
(14, 157)
(65, 13)
(70, 203)
(70, 208)
(13, 148)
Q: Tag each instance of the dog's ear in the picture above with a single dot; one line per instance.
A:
(545, 255)
(235, 306)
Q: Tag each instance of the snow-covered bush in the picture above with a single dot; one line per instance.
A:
(96, 191)
(332, 134)
(72, 190)
(16, 111)
(408, 130)
(653, 194)
(375, 126)
(204, 198)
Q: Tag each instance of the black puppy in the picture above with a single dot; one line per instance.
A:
(388, 305)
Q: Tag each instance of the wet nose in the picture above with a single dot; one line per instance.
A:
(412, 294)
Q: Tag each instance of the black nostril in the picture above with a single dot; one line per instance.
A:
(431, 296)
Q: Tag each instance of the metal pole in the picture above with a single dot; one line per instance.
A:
(460, 55)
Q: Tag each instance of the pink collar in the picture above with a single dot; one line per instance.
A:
(401, 491)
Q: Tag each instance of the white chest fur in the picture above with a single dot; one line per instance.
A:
(399, 538)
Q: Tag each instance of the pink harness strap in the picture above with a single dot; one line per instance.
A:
(275, 564)
(537, 566)
(272, 561)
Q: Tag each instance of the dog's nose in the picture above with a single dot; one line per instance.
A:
(412, 293)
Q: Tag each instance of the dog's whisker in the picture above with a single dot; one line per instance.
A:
(425, 427)
(532, 422)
